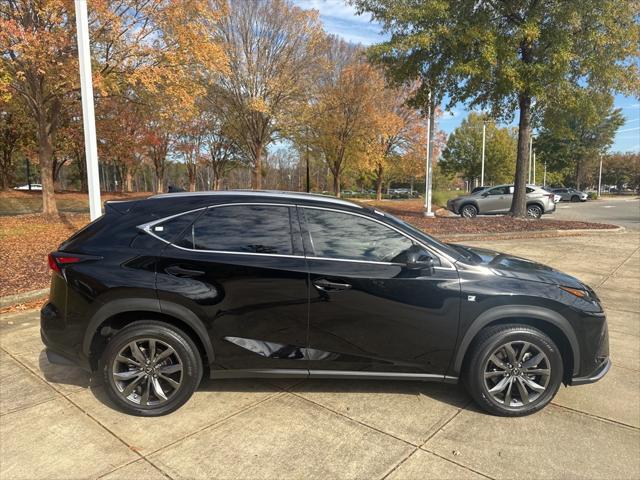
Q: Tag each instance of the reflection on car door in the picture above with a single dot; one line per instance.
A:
(241, 267)
(498, 200)
(368, 312)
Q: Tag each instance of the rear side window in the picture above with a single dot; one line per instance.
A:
(169, 230)
(350, 237)
(241, 228)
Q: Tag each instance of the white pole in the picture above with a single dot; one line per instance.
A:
(427, 205)
(432, 125)
(600, 178)
(544, 176)
(88, 114)
(534, 168)
(530, 154)
(484, 133)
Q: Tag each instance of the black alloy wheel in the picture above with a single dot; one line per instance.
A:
(151, 368)
(513, 370)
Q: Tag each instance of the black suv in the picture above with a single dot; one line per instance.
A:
(265, 284)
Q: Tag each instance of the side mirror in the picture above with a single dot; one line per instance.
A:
(485, 194)
(418, 259)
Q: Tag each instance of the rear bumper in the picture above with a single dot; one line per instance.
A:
(596, 375)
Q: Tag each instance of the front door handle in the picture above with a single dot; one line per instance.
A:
(329, 286)
(178, 271)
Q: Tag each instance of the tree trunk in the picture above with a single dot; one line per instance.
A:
(336, 183)
(379, 182)
(128, 181)
(256, 174)
(45, 157)
(519, 202)
(191, 172)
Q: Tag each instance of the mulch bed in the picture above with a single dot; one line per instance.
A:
(25, 240)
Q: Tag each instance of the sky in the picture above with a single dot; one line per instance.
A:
(339, 18)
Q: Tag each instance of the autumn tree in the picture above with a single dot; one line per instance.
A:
(15, 131)
(510, 55)
(223, 154)
(463, 152)
(396, 135)
(273, 49)
(342, 115)
(576, 130)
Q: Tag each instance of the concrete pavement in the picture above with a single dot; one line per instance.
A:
(623, 211)
(55, 422)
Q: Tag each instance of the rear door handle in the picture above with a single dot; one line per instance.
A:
(329, 286)
(178, 271)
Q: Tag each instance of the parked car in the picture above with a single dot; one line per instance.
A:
(158, 291)
(571, 194)
(497, 200)
(34, 186)
(556, 198)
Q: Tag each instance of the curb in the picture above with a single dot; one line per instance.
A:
(528, 234)
(22, 297)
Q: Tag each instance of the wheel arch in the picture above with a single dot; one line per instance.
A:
(115, 315)
(546, 320)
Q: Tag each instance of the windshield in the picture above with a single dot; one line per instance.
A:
(420, 235)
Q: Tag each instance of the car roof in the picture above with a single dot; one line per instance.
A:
(261, 194)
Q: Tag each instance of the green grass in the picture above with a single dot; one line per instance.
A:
(21, 205)
(440, 197)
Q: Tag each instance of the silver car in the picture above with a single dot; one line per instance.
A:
(497, 200)
(571, 194)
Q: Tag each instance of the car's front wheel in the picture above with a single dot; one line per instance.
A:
(468, 211)
(151, 368)
(513, 370)
(575, 198)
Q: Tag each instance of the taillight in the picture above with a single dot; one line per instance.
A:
(55, 261)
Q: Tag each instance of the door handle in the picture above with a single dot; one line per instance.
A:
(178, 271)
(328, 286)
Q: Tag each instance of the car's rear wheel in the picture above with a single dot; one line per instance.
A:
(534, 211)
(151, 368)
(468, 211)
(575, 198)
(513, 370)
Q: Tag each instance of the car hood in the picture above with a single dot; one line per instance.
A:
(511, 266)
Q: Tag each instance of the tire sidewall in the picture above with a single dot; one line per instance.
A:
(475, 380)
(179, 341)
(538, 214)
(471, 208)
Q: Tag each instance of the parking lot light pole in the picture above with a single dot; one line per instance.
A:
(484, 134)
(88, 114)
(534, 167)
(600, 178)
(429, 172)
(530, 154)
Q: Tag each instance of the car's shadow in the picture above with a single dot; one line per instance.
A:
(450, 394)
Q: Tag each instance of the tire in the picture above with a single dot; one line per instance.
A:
(176, 375)
(534, 211)
(489, 393)
(468, 211)
(575, 198)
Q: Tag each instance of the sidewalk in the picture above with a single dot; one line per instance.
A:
(54, 422)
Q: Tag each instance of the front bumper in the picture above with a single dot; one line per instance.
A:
(599, 372)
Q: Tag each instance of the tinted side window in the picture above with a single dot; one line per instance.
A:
(170, 229)
(241, 228)
(344, 236)
(499, 191)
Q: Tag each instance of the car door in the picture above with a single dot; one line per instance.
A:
(496, 200)
(368, 312)
(240, 268)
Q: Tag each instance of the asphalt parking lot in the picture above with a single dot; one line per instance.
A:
(623, 211)
(55, 422)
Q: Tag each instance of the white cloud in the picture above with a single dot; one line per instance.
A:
(340, 18)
